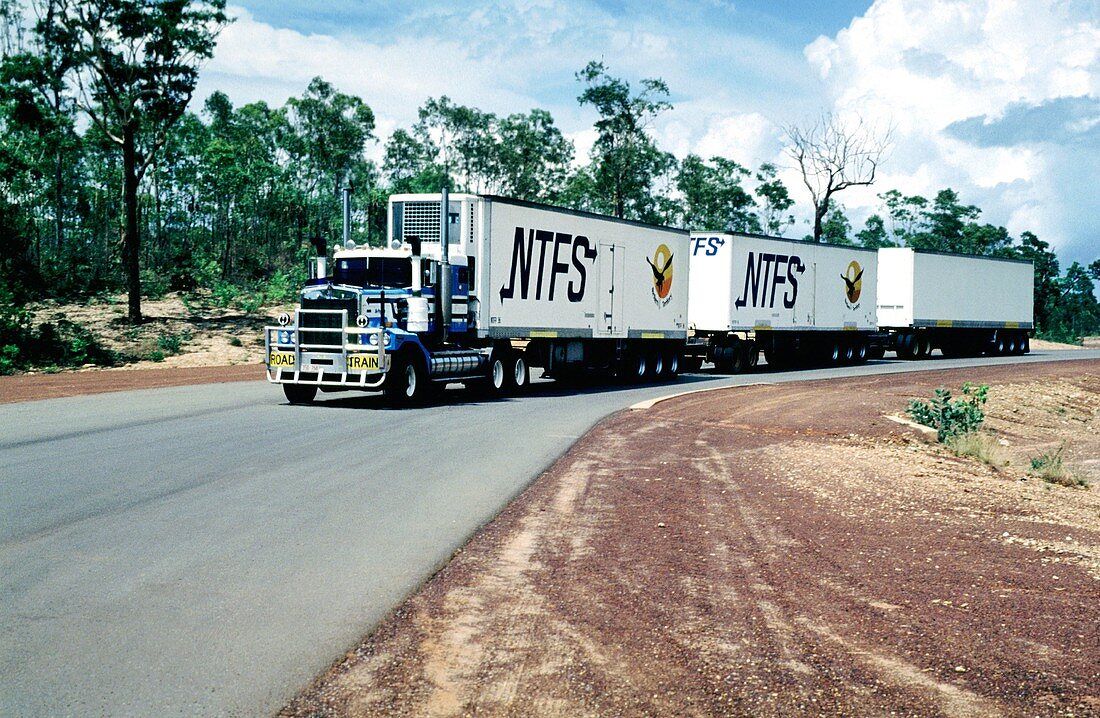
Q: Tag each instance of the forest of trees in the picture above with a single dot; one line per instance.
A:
(111, 180)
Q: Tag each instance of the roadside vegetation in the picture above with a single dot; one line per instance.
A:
(232, 200)
(958, 424)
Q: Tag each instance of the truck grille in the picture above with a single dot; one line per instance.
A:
(421, 219)
(328, 320)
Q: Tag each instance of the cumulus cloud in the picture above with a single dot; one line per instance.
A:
(998, 99)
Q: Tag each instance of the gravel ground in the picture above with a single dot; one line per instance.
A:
(770, 551)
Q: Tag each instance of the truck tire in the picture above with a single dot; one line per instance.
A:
(299, 393)
(672, 362)
(634, 366)
(655, 368)
(517, 375)
(496, 375)
(751, 354)
(408, 381)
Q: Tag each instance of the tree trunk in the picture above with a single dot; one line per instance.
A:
(131, 240)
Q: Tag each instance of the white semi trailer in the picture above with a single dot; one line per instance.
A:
(515, 285)
(797, 301)
(961, 305)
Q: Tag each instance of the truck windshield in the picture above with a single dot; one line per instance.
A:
(389, 272)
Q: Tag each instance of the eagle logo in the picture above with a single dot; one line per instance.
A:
(661, 265)
(853, 282)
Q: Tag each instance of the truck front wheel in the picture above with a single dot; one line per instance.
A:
(408, 381)
(299, 393)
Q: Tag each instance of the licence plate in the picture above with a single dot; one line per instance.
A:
(281, 359)
(362, 362)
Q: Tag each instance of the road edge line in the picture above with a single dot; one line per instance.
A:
(649, 403)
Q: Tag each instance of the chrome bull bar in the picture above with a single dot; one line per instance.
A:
(342, 363)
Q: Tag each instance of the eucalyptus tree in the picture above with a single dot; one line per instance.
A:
(774, 201)
(325, 138)
(136, 64)
(627, 163)
(532, 157)
(714, 197)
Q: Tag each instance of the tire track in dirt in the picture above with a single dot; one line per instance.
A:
(766, 551)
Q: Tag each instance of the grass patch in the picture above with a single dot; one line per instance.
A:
(1051, 468)
(978, 445)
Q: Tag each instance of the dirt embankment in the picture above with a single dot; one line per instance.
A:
(770, 551)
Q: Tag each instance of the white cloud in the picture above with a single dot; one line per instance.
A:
(935, 67)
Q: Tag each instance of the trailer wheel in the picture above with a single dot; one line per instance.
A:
(634, 366)
(1026, 348)
(999, 345)
(518, 375)
(907, 346)
(408, 381)
(752, 355)
(849, 353)
(656, 364)
(923, 347)
(299, 393)
(860, 352)
(832, 352)
(672, 362)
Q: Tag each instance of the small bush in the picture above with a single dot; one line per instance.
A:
(153, 285)
(155, 356)
(949, 417)
(234, 342)
(169, 343)
(1050, 468)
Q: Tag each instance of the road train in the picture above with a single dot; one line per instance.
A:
(518, 285)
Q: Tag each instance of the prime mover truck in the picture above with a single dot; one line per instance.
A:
(961, 305)
(799, 302)
(478, 289)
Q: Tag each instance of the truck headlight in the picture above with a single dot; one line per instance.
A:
(373, 341)
(286, 337)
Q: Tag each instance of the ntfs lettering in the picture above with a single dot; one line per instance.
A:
(709, 245)
(559, 255)
(763, 275)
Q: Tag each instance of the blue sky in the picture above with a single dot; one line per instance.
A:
(998, 99)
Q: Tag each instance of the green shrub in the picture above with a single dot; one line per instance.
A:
(949, 417)
(1051, 468)
(153, 285)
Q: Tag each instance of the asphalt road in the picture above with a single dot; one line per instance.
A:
(207, 550)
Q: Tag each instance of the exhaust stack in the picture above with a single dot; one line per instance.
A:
(443, 296)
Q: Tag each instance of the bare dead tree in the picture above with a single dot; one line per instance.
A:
(833, 156)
